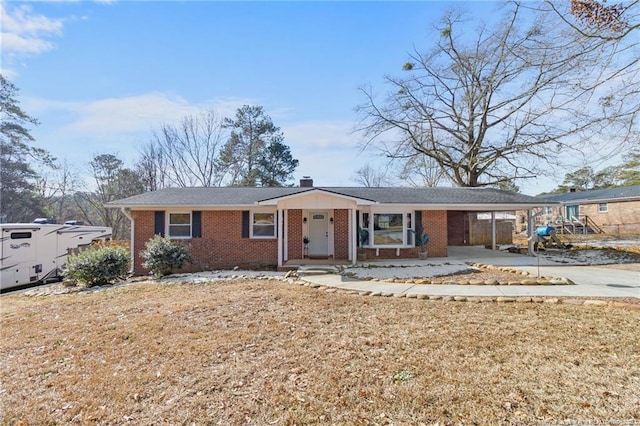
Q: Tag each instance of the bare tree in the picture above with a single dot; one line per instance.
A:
(184, 155)
(371, 177)
(56, 189)
(421, 170)
(495, 106)
(152, 167)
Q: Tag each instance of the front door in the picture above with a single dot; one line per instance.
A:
(318, 234)
(572, 211)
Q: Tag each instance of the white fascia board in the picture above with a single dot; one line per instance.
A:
(185, 207)
(463, 207)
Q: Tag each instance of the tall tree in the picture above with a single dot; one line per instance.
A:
(253, 146)
(19, 200)
(112, 181)
(57, 188)
(422, 171)
(184, 155)
(276, 164)
(493, 106)
(371, 177)
(629, 172)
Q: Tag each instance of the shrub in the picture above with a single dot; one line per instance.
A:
(98, 266)
(162, 256)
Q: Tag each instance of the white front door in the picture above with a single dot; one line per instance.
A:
(319, 234)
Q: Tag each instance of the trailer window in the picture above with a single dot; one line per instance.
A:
(20, 235)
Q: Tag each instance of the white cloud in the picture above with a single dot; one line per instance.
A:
(327, 150)
(111, 117)
(24, 32)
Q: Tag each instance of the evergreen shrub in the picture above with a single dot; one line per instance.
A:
(97, 266)
(162, 256)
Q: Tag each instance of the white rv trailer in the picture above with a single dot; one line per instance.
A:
(33, 252)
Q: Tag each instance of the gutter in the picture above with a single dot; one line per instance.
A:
(127, 212)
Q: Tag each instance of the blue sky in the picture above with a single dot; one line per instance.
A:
(101, 76)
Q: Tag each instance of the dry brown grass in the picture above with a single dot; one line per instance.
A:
(267, 352)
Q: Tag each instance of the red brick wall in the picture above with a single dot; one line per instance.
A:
(143, 232)
(294, 225)
(434, 223)
(457, 228)
(620, 218)
(221, 245)
(341, 234)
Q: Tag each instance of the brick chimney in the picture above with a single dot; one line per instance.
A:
(306, 182)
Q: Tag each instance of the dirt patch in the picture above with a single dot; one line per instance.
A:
(267, 352)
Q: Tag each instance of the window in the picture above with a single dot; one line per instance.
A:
(179, 225)
(603, 207)
(20, 235)
(388, 229)
(548, 210)
(263, 225)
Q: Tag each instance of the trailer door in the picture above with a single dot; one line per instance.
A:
(19, 256)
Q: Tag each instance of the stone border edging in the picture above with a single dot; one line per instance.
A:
(470, 299)
(435, 280)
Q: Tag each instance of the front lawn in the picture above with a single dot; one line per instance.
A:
(267, 352)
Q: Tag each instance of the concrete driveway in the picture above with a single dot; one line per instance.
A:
(619, 280)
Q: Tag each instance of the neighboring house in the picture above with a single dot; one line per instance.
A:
(261, 227)
(614, 211)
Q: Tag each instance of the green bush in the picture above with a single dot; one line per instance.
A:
(98, 266)
(162, 256)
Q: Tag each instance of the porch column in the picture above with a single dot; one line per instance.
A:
(530, 238)
(353, 237)
(493, 230)
(285, 235)
(280, 233)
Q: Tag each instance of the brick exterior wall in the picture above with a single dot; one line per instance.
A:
(341, 234)
(221, 244)
(619, 219)
(434, 223)
(294, 225)
(457, 228)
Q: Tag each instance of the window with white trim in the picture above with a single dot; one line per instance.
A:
(548, 210)
(603, 207)
(263, 225)
(179, 225)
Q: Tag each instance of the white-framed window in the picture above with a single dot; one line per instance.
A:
(389, 230)
(548, 210)
(603, 207)
(263, 224)
(179, 225)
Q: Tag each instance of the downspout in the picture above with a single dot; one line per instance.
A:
(127, 212)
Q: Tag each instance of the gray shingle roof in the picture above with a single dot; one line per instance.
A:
(608, 194)
(226, 196)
